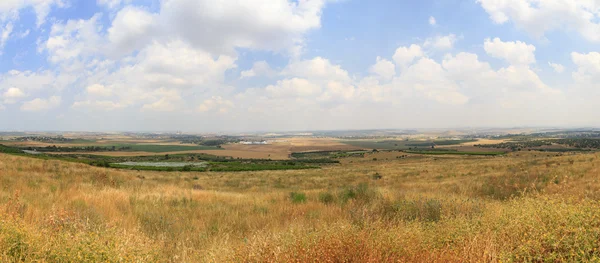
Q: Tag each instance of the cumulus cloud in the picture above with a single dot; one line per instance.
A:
(9, 10)
(112, 4)
(383, 68)
(558, 68)
(74, 40)
(219, 27)
(406, 55)
(295, 87)
(176, 59)
(317, 68)
(164, 100)
(28, 81)
(99, 90)
(131, 29)
(441, 42)
(540, 16)
(102, 105)
(588, 67)
(40, 104)
(12, 95)
(216, 104)
(516, 53)
(260, 68)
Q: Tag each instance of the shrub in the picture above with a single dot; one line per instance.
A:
(297, 198)
(505, 187)
(326, 198)
(429, 210)
(361, 193)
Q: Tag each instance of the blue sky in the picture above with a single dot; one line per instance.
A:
(210, 66)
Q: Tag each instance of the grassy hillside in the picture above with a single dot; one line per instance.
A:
(532, 207)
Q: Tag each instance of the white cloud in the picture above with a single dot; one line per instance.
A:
(429, 78)
(6, 31)
(99, 90)
(131, 29)
(164, 100)
(336, 91)
(432, 21)
(441, 42)
(404, 56)
(102, 105)
(221, 26)
(40, 104)
(12, 95)
(111, 4)
(317, 68)
(516, 53)
(24, 34)
(295, 87)
(588, 68)
(260, 68)
(74, 40)
(171, 61)
(216, 104)
(28, 81)
(540, 16)
(558, 68)
(383, 68)
(9, 9)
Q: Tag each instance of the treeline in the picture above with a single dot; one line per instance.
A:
(200, 140)
(325, 155)
(54, 148)
(43, 139)
(577, 143)
(439, 142)
(581, 143)
(516, 146)
(11, 150)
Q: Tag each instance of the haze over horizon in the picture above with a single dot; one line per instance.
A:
(287, 65)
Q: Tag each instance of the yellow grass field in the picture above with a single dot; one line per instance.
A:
(522, 207)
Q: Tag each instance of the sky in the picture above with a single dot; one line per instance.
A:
(281, 65)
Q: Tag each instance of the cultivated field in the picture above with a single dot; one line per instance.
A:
(381, 207)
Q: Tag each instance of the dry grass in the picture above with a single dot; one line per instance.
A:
(526, 208)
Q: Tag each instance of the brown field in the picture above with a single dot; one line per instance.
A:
(282, 150)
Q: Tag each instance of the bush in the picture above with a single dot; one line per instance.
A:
(297, 198)
(509, 186)
(429, 210)
(326, 198)
(361, 193)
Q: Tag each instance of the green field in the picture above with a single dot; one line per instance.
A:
(154, 148)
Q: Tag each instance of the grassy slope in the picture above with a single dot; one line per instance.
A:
(531, 207)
